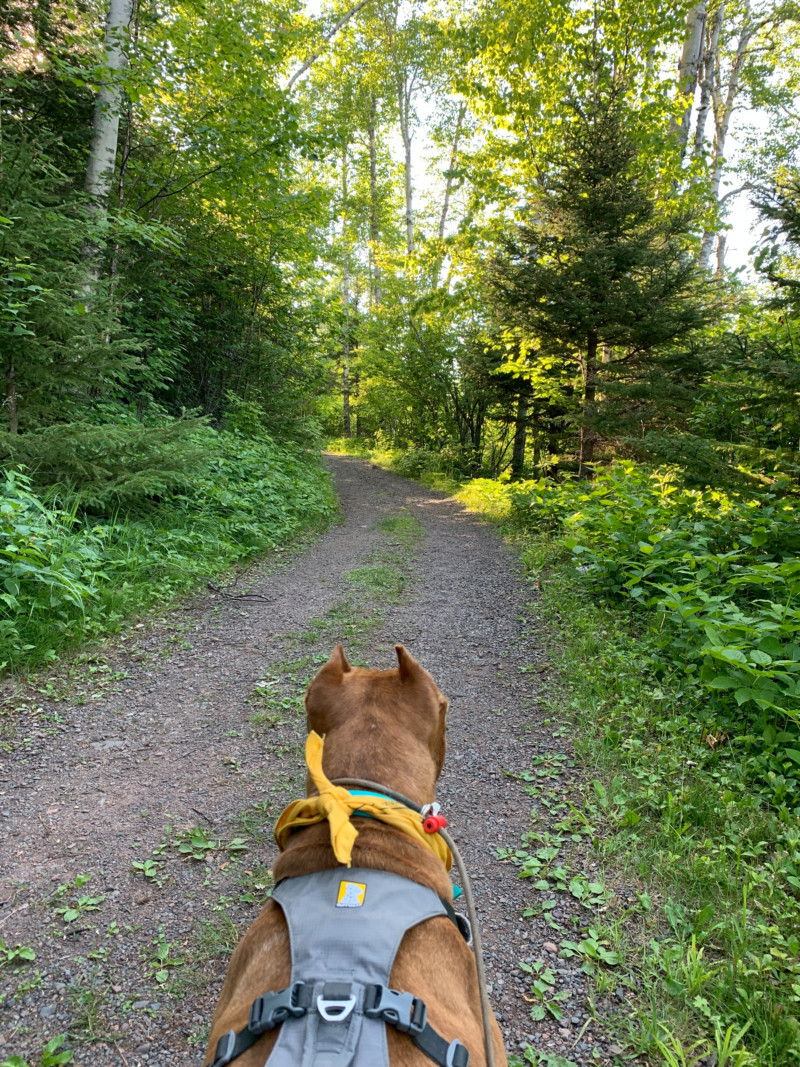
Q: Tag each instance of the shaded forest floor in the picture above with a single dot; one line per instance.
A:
(140, 783)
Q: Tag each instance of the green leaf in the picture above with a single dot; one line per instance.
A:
(723, 681)
(733, 655)
(757, 656)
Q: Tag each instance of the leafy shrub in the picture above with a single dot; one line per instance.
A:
(65, 574)
(43, 563)
(111, 463)
(715, 576)
(412, 463)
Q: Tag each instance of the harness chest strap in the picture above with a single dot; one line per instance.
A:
(335, 1002)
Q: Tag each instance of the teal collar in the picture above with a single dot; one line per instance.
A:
(457, 890)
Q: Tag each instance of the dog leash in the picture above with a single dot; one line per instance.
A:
(469, 900)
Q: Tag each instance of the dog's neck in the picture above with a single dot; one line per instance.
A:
(378, 847)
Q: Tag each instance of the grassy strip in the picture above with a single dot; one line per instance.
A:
(67, 575)
(709, 943)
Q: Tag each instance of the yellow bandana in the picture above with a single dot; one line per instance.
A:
(337, 805)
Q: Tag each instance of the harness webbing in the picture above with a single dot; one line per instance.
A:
(406, 1013)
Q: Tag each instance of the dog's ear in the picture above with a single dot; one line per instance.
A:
(408, 667)
(337, 665)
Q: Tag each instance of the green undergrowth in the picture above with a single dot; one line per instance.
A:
(692, 796)
(673, 630)
(69, 572)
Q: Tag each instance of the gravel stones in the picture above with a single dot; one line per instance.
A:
(168, 742)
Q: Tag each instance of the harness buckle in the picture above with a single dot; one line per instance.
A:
(225, 1047)
(403, 1011)
(456, 1055)
(271, 1009)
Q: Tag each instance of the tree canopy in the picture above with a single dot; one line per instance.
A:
(411, 220)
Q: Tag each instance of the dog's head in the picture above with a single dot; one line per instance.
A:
(383, 726)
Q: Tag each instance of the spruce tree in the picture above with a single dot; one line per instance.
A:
(600, 275)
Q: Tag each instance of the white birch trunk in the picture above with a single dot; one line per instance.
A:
(453, 160)
(722, 242)
(345, 305)
(724, 106)
(707, 78)
(688, 70)
(105, 126)
(374, 232)
(405, 133)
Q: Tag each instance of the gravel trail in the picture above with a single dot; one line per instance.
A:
(154, 749)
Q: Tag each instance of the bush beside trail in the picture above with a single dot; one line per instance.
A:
(72, 568)
(672, 618)
(675, 637)
(712, 580)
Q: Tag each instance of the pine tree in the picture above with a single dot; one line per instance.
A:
(601, 275)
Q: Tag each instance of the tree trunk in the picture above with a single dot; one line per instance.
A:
(409, 192)
(374, 231)
(688, 70)
(345, 392)
(722, 242)
(453, 159)
(11, 396)
(326, 39)
(404, 90)
(355, 391)
(345, 304)
(105, 126)
(404, 87)
(520, 435)
(586, 454)
(723, 109)
(707, 78)
(437, 268)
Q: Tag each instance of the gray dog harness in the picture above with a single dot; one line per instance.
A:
(345, 927)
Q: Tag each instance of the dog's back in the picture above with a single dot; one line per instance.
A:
(386, 727)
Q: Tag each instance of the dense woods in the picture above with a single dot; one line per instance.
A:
(474, 240)
(493, 236)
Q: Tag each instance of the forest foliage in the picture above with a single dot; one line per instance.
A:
(484, 242)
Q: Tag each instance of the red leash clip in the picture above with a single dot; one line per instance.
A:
(432, 821)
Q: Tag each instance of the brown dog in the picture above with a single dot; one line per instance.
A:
(386, 727)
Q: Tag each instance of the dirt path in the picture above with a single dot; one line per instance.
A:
(184, 740)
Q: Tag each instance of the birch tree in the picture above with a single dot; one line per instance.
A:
(105, 125)
(405, 54)
(743, 65)
(725, 89)
(689, 69)
(345, 300)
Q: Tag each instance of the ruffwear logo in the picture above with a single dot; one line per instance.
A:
(351, 895)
